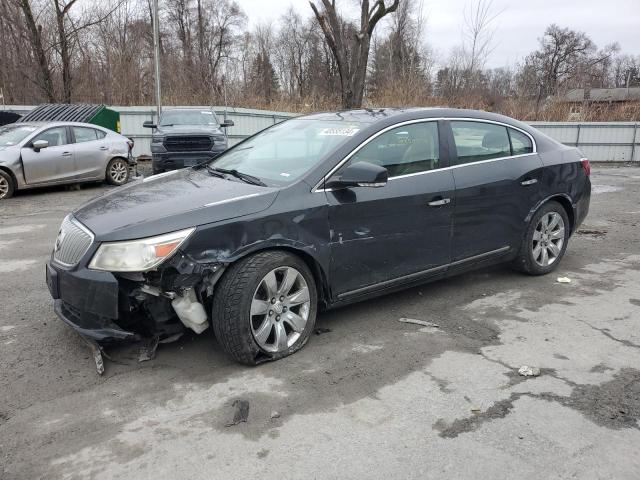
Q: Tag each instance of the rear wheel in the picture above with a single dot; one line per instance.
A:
(117, 171)
(545, 241)
(265, 307)
(6, 185)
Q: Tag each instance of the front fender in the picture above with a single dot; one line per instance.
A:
(13, 165)
(305, 231)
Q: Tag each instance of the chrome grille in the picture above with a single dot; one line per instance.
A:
(72, 243)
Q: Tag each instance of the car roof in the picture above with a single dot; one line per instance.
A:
(60, 124)
(389, 116)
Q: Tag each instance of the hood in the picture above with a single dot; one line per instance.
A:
(189, 130)
(9, 153)
(169, 202)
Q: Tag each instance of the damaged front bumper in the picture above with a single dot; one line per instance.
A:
(87, 301)
(108, 308)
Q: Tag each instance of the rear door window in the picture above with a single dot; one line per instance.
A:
(407, 149)
(520, 143)
(84, 134)
(477, 141)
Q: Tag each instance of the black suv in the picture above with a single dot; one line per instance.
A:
(186, 137)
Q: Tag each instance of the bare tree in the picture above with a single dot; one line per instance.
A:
(38, 48)
(564, 55)
(400, 62)
(350, 44)
(478, 34)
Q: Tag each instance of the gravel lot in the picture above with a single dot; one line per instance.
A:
(371, 398)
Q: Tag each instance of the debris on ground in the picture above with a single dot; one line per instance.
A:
(595, 233)
(97, 352)
(476, 410)
(415, 321)
(172, 338)
(241, 412)
(527, 371)
(148, 348)
(275, 414)
(564, 280)
(320, 331)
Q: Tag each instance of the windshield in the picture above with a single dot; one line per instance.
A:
(188, 117)
(14, 134)
(286, 151)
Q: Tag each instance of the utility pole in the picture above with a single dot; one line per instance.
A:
(156, 57)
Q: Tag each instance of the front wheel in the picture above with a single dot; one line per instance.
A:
(265, 307)
(545, 241)
(117, 172)
(6, 185)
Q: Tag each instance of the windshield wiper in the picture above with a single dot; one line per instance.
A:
(211, 170)
(242, 176)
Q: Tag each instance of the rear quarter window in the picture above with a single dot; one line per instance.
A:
(520, 143)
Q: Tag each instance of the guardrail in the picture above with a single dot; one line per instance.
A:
(599, 141)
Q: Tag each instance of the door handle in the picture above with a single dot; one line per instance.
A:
(66, 154)
(526, 183)
(439, 203)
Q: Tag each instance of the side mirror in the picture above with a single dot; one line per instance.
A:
(360, 174)
(149, 124)
(227, 123)
(39, 145)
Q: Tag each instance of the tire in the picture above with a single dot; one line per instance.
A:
(553, 238)
(7, 187)
(156, 171)
(239, 332)
(117, 171)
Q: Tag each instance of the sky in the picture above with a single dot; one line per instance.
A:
(517, 27)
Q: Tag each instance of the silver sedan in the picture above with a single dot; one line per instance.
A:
(55, 153)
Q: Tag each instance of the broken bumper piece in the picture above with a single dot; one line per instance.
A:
(96, 328)
(87, 301)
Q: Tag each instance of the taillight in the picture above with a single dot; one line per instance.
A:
(586, 166)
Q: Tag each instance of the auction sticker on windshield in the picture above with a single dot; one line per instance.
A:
(339, 132)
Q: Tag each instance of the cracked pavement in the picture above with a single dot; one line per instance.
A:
(370, 398)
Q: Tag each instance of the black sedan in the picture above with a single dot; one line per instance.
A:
(313, 213)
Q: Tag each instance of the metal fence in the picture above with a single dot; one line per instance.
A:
(599, 141)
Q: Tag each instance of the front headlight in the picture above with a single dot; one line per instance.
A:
(138, 255)
(157, 139)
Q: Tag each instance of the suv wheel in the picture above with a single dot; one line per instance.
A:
(545, 241)
(117, 171)
(265, 307)
(6, 185)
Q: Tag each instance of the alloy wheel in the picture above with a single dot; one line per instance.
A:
(4, 187)
(548, 239)
(118, 171)
(280, 309)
